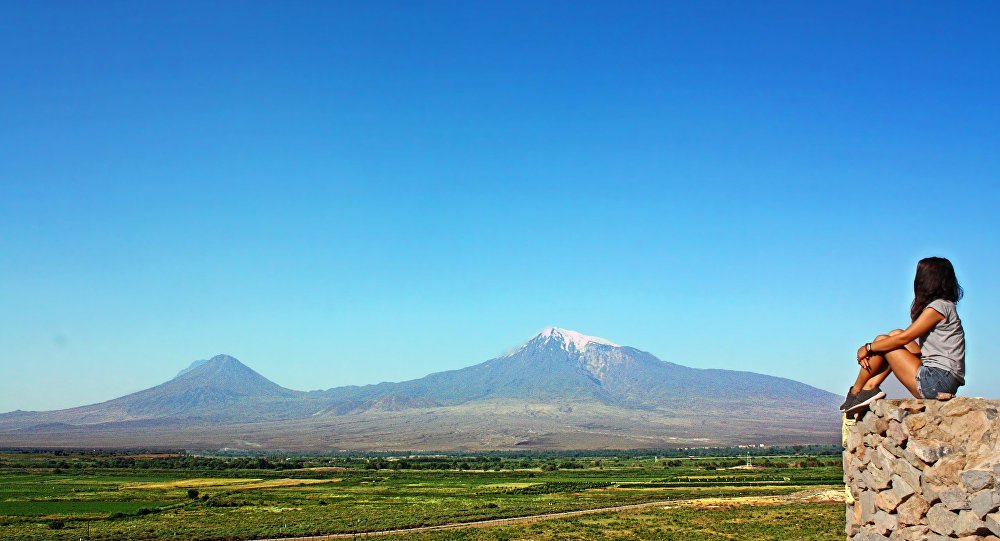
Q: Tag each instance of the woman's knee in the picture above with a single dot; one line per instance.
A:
(893, 332)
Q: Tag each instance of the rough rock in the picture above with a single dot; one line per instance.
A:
(912, 511)
(885, 523)
(870, 536)
(957, 408)
(985, 502)
(910, 533)
(876, 478)
(946, 471)
(901, 488)
(912, 405)
(891, 446)
(941, 520)
(955, 499)
(881, 424)
(968, 524)
(909, 474)
(893, 413)
(852, 526)
(914, 423)
(871, 440)
(993, 523)
(887, 500)
(930, 491)
(868, 422)
(976, 480)
(896, 433)
(928, 450)
(867, 502)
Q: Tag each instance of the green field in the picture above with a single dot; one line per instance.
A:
(800, 522)
(45, 496)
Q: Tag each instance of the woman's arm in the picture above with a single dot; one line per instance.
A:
(924, 323)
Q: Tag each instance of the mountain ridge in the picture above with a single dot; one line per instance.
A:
(564, 373)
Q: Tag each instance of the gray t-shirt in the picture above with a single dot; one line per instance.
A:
(944, 346)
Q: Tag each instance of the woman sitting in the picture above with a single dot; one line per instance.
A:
(928, 357)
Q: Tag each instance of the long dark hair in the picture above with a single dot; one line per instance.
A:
(935, 280)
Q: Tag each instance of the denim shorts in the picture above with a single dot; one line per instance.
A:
(932, 380)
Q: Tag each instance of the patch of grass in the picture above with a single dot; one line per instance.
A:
(800, 522)
(74, 508)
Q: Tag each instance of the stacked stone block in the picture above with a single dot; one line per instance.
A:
(924, 470)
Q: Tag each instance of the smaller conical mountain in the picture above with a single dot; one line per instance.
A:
(220, 388)
(222, 377)
(217, 389)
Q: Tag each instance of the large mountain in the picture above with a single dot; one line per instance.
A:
(561, 389)
(560, 364)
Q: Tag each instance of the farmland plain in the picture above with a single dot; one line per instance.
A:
(45, 495)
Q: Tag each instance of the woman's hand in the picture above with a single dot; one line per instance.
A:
(863, 355)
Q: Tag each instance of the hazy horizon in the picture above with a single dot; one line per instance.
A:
(347, 194)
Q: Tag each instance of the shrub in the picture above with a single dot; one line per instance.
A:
(192, 493)
(57, 524)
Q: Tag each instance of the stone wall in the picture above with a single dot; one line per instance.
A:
(924, 470)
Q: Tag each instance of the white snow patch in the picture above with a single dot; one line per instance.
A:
(572, 339)
(568, 340)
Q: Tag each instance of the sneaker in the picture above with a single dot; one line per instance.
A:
(864, 398)
(849, 401)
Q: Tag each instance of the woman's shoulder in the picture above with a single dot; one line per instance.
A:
(942, 306)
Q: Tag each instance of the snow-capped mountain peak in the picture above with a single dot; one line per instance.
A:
(572, 340)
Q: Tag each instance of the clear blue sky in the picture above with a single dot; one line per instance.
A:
(346, 193)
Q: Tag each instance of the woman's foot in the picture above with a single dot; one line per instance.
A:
(849, 401)
(864, 399)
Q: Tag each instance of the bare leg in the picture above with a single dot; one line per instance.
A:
(877, 379)
(877, 367)
(905, 365)
(903, 362)
(877, 371)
